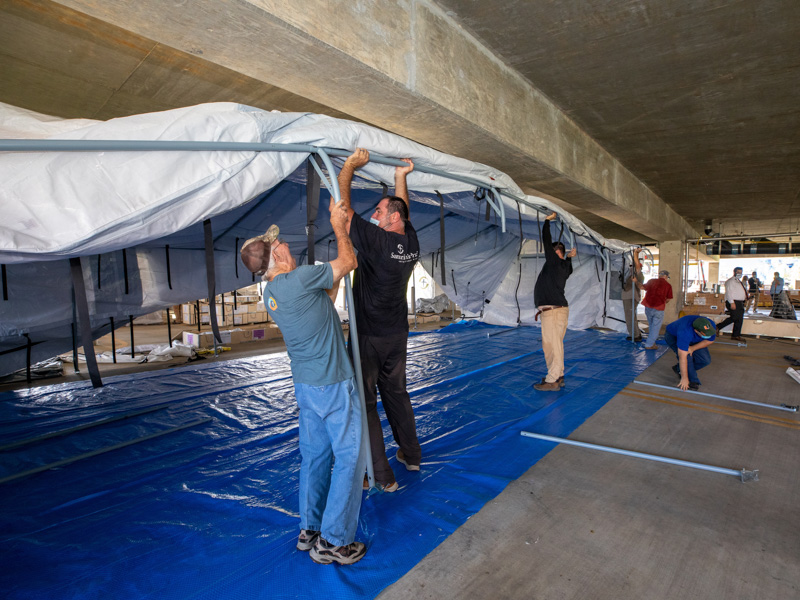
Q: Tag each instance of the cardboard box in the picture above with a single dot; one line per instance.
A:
(239, 336)
(266, 333)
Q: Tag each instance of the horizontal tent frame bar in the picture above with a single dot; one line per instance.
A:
(19, 145)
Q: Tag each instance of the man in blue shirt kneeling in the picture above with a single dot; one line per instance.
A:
(689, 337)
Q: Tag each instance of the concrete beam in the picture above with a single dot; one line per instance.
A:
(408, 67)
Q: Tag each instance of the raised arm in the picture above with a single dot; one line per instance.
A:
(356, 160)
(345, 260)
(400, 186)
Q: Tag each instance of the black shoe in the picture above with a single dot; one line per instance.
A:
(694, 386)
(560, 381)
(326, 553)
(677, 369)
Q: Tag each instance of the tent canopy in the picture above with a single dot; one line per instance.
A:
(138, 217)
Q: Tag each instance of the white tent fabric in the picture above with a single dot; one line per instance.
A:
(135, 218)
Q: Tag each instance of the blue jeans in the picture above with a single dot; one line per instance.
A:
(654, 319)
(330, 435)
(694, 362)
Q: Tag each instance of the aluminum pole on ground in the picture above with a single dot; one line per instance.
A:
(743, 474)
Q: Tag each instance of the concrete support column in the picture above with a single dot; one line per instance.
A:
(713, 274)
(670, 257)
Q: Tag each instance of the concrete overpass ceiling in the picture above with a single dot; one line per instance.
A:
(699, 100)
(62, 62)
(670, 109)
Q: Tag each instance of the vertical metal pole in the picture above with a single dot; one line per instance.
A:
(169, 328)
(414, 295)
(130, 324)
(351, 313)
(334, 188)
(113, 342)
(633, 297)
(74, 334)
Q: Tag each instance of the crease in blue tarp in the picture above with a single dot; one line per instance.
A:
(211, 511)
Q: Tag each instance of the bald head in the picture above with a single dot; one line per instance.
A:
(255, 256)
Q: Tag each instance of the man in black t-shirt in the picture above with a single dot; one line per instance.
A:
(387, 252)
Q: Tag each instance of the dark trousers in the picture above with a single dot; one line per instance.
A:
(383, 367)
(694, 362)
(736, 317)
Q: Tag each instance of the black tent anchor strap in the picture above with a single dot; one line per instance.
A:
(441, 234)
(384, 190)
(5, 282)
(453, 279)
(211, 278)
(169, 273)
(84, 322)
(99, 278)
(312, 205)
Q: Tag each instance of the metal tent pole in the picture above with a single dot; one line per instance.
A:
(785, 407)
(333, 186)
(743, 474)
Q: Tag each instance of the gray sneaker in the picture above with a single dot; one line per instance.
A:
(325, 553)
(307, 539)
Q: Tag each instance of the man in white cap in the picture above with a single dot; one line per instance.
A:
(657, 293)
(333, 458)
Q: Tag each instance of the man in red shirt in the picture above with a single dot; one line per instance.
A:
(657, 293)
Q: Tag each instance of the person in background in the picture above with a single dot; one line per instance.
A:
(754, 291)
(776, 288)
(630, 301)
(657, 293)
(735, 298)
(689, 337)
(548, 295)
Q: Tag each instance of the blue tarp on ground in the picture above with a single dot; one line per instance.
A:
(210, 511)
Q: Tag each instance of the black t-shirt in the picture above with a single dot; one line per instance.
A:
(549, 289)
(754, 284)
(385, 263)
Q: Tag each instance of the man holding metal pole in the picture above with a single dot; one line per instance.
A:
(333, 458)
(387, 251)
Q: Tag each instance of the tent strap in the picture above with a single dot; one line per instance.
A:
(83, 321)
(212, 283)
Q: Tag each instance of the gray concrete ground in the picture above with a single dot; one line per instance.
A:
(592, 525)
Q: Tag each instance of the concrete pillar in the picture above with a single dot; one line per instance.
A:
(713, 274)
(670, 257)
